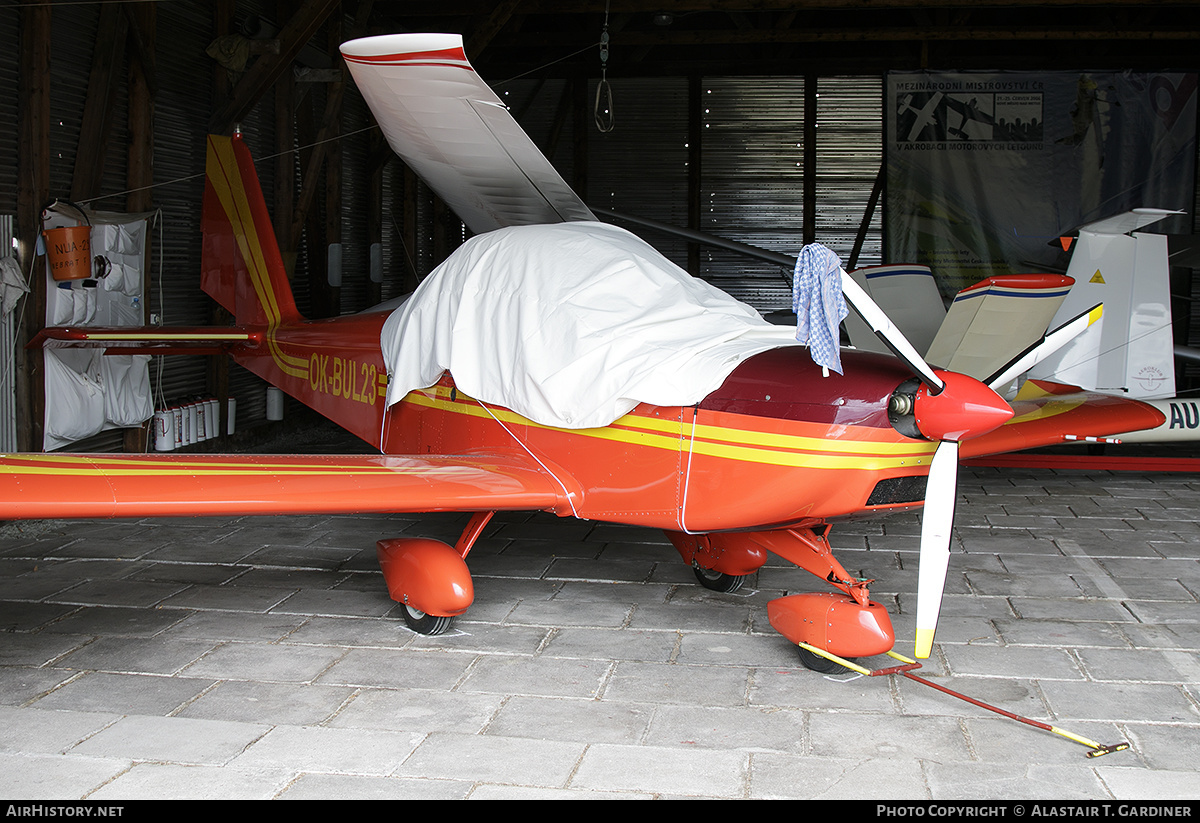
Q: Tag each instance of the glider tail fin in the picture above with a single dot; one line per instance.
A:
(1132, 352)
(242, 268)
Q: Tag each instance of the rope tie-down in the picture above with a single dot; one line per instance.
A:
(906, 669)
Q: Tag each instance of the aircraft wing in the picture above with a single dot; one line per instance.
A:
(40, 486)
(1048, 414)
(456, 134)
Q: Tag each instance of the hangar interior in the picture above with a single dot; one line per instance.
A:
(761, 122)
(263, 657)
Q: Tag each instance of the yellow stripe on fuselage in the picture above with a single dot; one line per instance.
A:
(746, 445)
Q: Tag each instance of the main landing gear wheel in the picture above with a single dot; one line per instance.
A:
(816, 663)
(422, 623)
(718, 581)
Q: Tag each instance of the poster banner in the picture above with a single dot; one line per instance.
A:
(985, 171)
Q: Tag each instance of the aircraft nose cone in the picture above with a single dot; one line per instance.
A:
(965, 408)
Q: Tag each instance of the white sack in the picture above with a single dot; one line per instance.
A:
(570, 325)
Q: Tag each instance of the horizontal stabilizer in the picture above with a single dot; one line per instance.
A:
(995, 319)
(1128, 222)
(908, 295)
(148, 339)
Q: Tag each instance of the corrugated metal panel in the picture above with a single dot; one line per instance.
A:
(356, 157)
(752, 181)
(10, 32)
(849, 153)
(8, 324)
(640, 167)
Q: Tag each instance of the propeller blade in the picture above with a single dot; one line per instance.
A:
(874, 317)
(941, 494)
(1051, 342)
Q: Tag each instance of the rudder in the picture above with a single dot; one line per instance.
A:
(241, 266)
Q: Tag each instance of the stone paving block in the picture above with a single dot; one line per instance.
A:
(483, 638)
(1185, 636)
(1130, 783)
(680, 772)
(1170, 747)
(1040, 663)
(982, 781)
(997, 739)
(36, 731)
(21, 684)
(179, 740)
(119, 621)
(1021, 696)
(1117, 701)
(280, 663)
(572, 719)
(790, 777)
(208, 574)
(736, 650)
(615, 571)
(614, 644)
(144, 655)
(213, 625)
(1059, 632)
(740, 729)
(1147, 611)
(675, 684)
(1010, 585)
(1077, 609)
(704, 615)
(337, 751)
(16, 616)
(118, 593)
(336, 603)
(155, 781)
(1139, 665)
(561, 613)
(385, 668)
(418, 710)
(494, 759)
(542, 676)
(273, 703)
(46, 777)
(886, 736)
(358, 787)
(228, 598)
(124, 694)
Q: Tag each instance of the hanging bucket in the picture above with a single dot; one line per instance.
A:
(69, 252)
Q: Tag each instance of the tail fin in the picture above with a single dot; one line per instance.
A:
(1133, 351)
(242, 268)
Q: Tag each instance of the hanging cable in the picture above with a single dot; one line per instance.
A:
(602, 110)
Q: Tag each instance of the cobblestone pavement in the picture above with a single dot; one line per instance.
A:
(261, 658)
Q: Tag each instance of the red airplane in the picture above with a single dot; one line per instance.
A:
(767, 458)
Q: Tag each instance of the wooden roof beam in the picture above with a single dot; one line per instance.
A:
(266, 70)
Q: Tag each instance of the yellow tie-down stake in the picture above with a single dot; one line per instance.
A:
(1097, 750)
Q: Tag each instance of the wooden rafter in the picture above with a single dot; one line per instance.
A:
(257, 81)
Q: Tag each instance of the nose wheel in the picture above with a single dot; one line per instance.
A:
(718, 581)
(423, 623)
(816, 663)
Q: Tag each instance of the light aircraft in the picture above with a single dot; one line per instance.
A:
(713, 426)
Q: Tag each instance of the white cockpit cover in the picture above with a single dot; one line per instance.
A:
(570, 325)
